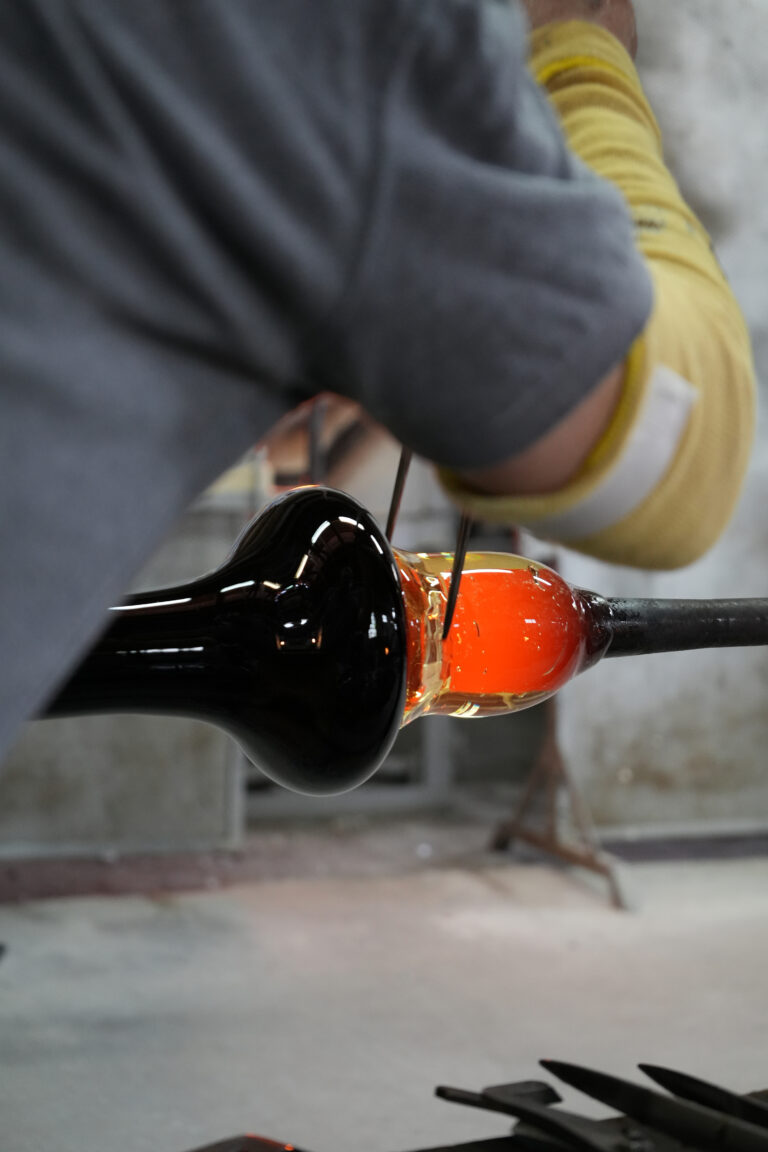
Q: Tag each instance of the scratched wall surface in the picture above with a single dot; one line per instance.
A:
(91, 784)
(682, 738)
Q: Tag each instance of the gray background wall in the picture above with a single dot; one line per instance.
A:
(114, 783)
(680, 739)
(654, 741)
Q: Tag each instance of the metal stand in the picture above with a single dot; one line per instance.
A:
(548, 775)
(549, 772)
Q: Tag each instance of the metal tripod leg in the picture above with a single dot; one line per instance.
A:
(548, 775)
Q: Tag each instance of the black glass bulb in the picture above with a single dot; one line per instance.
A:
(295, 646)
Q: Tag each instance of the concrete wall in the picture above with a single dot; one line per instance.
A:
(119, 784)
(128, 783)
(681, 739)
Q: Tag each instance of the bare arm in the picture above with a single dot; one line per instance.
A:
(616, 16)
(554, 459)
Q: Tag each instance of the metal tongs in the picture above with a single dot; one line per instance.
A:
(460, 551)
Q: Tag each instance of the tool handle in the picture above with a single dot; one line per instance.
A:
(640, 626)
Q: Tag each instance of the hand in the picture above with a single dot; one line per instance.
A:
(616, 16)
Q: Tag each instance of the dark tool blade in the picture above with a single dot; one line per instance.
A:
(470, 1099)
(525, 1091)
(572, 1131)
(703, 1128)
(710, 1095)
(502, 1097)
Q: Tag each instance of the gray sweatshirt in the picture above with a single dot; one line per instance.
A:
(212, 209)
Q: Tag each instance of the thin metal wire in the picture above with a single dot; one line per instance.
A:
(461, 541)
(316, 461)
(397, 492)
(458, 564)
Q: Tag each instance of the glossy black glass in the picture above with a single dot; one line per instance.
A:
(295, 646)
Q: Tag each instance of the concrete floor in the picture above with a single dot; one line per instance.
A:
(323, 1010)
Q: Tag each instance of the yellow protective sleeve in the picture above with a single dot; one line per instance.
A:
(696, 327)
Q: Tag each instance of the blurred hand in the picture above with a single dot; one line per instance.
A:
(617, 16)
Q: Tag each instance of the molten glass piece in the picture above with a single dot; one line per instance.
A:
(315, 641)
(518, 634)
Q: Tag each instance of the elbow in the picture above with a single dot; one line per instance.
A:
(688, 511)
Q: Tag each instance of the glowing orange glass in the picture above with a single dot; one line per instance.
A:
(519, 632)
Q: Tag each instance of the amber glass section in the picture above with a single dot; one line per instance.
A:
(519, 632)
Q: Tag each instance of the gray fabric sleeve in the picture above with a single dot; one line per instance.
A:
(499, 281)
(211, 208)
(178, 195)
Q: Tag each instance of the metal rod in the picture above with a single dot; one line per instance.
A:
(458, 564)
(644, 626)
(397, 492)
(316, 461)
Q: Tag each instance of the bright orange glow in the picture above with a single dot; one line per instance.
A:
(512, 632)
(519, 633)
(267, 1140)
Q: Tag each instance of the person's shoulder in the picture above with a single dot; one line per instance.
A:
(455, 28)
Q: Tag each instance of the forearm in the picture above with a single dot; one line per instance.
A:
(558, 456)
(695, 347)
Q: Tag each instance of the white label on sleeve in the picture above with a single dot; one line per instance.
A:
(648, 453)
